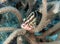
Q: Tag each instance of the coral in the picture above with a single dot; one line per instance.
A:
(42, 16)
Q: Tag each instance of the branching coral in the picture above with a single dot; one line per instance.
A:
(55, 42)
(31, 4)
(47, 17)
(28, 5)
(44, 14)
(31, 39)
(19, 40)
(48, 32)
(13, 10)
(13, 35)
(5, 29)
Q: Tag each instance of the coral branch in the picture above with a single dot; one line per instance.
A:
(48, 32)
(19, 40)
(44, 14)
(55, 42)
(5, 29)
(13, 10)
(46, 19)
(31, 4)
(57, 26)
(31, 39)
(13, 35)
